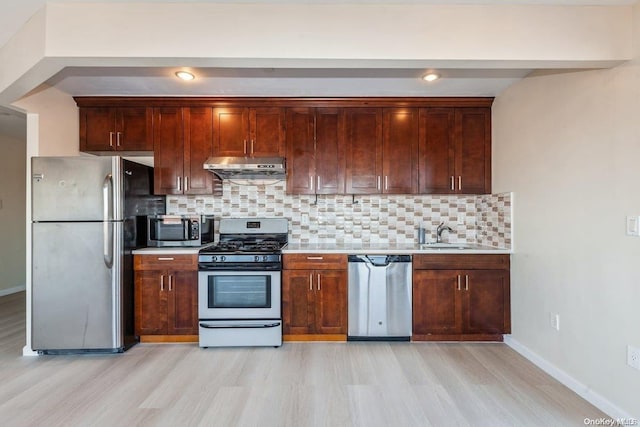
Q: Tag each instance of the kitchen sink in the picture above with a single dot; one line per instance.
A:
(441, 245)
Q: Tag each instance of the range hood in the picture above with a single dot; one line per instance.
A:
(247, 167)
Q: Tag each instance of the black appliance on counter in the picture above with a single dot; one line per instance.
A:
(239, 284)
(179, 230)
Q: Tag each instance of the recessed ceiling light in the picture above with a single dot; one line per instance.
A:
(430, 77)
(185, 75)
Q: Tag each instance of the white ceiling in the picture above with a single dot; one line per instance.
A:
(82, 81)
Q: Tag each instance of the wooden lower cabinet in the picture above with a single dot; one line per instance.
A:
(166, 297)
(314, 300)
(471, 303)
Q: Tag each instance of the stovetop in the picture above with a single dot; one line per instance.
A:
(245, 247)
(246, 243)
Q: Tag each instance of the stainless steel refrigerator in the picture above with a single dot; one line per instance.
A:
(88, 214)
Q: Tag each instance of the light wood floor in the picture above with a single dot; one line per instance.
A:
(299, 384)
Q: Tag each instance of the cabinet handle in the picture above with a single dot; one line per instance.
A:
(310, 281)
(386, 182)
(170, 283)
(378, 183)
(186, 183)
(165, 258)
(179, 184)
(162, 283)
(459, 286)
(318, 182)
(118, 138)
(110, 139)
(453, 185)
(311, 181)
(466, 282)
(244, 150)
(315, 257)
(252, 146)
(318, 281)
(459, 182)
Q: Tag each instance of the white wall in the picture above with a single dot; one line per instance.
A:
(568, 146)
(12, 214)
(58, 121)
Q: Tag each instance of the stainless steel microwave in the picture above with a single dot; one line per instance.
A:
(179, 230)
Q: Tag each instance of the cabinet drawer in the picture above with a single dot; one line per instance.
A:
(466, 262)
(166, 262)
(315, 261)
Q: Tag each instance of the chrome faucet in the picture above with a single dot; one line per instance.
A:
(439, 231)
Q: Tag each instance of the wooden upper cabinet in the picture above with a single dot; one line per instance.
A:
(437, 151)
(455, 151)
(330, 159)
(315, 151)
(168, 150)
(266, 132)
(473, 150)
(230, 131)
(363, 140)
(183, 141)
(198, 147)
(300, 150)
(106, 129)
(244, 131)
(400, 150)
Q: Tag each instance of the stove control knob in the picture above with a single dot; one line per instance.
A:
(222, 258)
(264, 258)
(257, 258)
(214, 258)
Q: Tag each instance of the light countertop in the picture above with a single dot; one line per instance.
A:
(347, 248)
(390, 248)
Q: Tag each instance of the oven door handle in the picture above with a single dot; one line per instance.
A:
(241, 326)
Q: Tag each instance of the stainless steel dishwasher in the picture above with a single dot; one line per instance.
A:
(379, 298)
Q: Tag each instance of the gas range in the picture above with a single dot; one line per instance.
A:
(239, 284)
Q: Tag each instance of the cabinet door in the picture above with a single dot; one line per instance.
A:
(364, 150)
(168, 150)
(151, 289)
(330, 301)
(329, 151)
(97, 129)
(133, 128)
(473, 150)
(231, 131)
(436, 303)
(300, 151)
(267, 132)
(182, 304)
(198, 147)
(297, 302)
(436, 151)
(486, 302)
(400, 150)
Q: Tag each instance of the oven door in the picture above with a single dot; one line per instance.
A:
(239, 295)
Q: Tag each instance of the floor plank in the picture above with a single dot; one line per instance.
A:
(299, 384)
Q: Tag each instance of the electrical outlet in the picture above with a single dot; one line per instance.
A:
(633, 357)
(304, 219)
(461, 219)
(554, 321)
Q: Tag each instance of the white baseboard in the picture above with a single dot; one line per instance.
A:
(13, 290)
(580, 389)
(26, 351)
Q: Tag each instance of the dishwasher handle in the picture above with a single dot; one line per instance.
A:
(379, 260)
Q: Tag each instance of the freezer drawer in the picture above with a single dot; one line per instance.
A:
(380, 289)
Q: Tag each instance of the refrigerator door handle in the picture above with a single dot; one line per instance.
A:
(107, 227)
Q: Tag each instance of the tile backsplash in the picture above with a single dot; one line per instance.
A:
(376, 219)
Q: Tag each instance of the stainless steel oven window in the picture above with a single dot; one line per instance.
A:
(239, 291)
